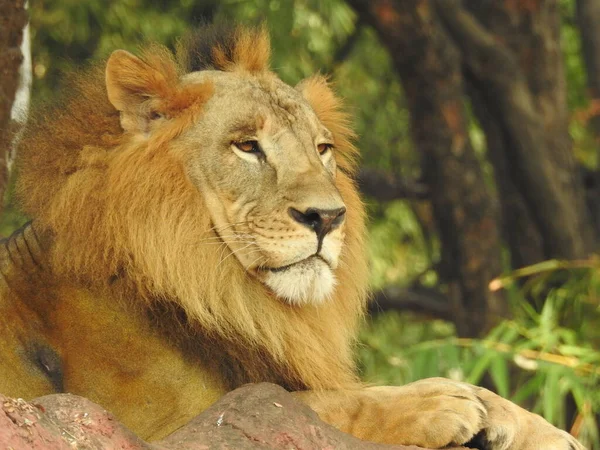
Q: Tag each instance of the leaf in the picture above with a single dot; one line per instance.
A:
(500, 376)
(481, 366)
(529, 389)
(573, 350)
(551, 396)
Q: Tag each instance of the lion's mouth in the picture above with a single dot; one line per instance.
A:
(309, 280)
(294, 264)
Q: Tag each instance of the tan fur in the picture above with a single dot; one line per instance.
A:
(116, 293)
(251, 52)
(249, 49)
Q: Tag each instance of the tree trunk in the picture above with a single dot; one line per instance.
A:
(519, 230)
(512, 55)
(12, 20)
(588, 20)
(430, 70)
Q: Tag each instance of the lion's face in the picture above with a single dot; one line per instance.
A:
(266, 168)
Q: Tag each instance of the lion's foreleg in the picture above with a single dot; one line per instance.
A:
(400, 415)
(436, 413)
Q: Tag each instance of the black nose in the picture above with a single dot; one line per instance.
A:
(321, 220)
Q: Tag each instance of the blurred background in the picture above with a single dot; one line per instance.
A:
(479, 127)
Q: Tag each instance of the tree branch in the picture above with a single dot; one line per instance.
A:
(14, 19)
(588, 18)
(419, 299)
(385, 186)
(519, 229)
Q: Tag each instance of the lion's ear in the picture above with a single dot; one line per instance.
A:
(130, 83)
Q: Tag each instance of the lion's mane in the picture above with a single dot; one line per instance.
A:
(120, 209)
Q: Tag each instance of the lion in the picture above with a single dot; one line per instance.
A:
(196, 226)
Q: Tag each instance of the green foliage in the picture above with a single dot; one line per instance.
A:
(11, 220)
(585, 144)
(399, 249)
(573, 61)
(11, 217)
(71, 32)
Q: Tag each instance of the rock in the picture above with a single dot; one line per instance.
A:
(62, 421)
(253, 417)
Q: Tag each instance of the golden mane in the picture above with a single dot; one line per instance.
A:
(118, 208)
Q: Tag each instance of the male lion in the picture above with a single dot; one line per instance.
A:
(196, 227)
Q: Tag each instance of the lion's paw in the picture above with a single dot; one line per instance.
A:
(446, 412)
(450, 418)
(433, 413)
(511, 427)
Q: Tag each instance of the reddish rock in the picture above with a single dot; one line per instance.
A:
(254, 417)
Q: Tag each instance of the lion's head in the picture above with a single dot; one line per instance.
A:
(205, 180)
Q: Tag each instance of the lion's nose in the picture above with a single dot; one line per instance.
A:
(322, 221)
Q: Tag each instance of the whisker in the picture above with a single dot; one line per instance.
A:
(232, 253)
(254, 251)
(243, 222)
(225, 243)
(229, 236)
(233, 237)
(256, 261)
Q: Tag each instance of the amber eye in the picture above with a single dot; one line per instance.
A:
(323, 148)
(248, 146)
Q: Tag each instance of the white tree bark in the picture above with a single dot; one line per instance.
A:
(20, 108)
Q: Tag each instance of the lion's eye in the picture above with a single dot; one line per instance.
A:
(324, 148)
(248, 146)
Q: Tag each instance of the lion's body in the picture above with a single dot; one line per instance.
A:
(113, 329)
(138, 286)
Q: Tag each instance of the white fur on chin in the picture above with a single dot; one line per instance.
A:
(307, 282)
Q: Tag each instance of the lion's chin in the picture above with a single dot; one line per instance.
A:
(307, 282)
